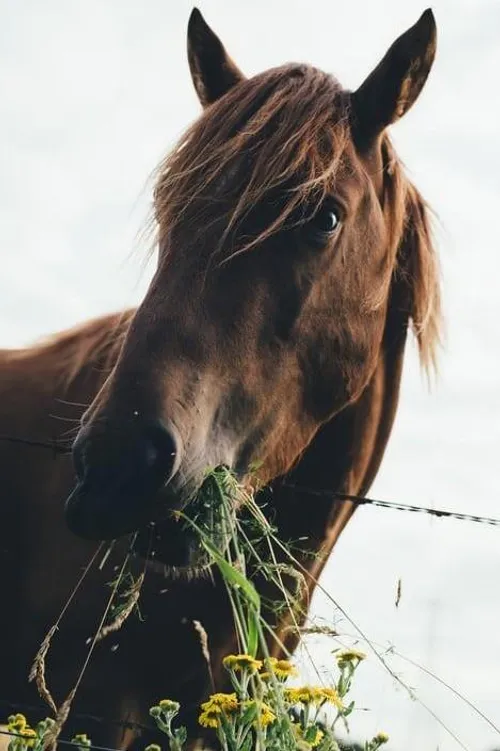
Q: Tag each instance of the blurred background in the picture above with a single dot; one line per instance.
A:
(92, 95)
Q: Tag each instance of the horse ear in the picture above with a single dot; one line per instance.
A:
(395, 84)
(212, 70)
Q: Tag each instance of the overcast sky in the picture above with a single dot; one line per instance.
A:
(94, 92)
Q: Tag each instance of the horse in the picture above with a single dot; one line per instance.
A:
(293, 256)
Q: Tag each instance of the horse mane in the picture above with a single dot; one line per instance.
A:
(416, 266)
(96, 342)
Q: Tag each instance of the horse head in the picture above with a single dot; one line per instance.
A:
(283, 217)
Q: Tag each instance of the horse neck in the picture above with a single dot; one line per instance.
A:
(345, 455)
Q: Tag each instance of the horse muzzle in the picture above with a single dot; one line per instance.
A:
(122, 479)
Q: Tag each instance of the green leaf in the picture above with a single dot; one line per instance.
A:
(233, 576)
(253, 633)
(249, 714)
(181, 735)
(247, 743)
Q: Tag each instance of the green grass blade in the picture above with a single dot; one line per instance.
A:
(233, 576)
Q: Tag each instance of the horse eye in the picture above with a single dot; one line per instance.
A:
(321, 226)
(326, 220)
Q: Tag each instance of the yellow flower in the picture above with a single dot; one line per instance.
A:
(349, 655)
(381, 737)
(281, 668)
(265, 715)
(213, 709)
(168, 705)
(17, 723)
(305, 695)
(221, 702)
(29, 736)
(316, 739)
(313, 695)
(292, 695)
(331, 696)
(242, 662)
(210, 719)
(314, 734)
(82, 740)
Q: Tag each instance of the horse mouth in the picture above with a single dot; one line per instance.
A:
(167, 529)
(172, 549)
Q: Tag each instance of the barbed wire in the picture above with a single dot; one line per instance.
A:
(55, 446)
(14, 706)
(62, 741)
(61, 449)
(363, 501)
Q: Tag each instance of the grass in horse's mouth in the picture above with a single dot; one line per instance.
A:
(176, 547)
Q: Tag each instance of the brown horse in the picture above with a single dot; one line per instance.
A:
(293, 254)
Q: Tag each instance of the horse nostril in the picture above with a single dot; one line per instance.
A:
(120, 470)
(142, 458)
(160, 450)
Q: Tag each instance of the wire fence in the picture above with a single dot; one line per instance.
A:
(59, 449)
(431, 511)
(9, 706)
(62, 741)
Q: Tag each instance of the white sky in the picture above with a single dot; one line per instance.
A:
(93, 93)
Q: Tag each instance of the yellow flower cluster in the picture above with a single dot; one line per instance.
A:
(213, 709)
(169, 706)
(265, 715)
(210, 719)
(222, 702)
(82, 740)
(219, 704)
(313, 740)
(313, 695)
(242, 662)
(349, 655)
(282, 669)
(18, 724)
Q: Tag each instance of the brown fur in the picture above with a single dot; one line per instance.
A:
(112, 362)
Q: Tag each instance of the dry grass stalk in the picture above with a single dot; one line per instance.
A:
(204, 649)
(50, 740)
(62, 713)
(37, 672)
(126, 609)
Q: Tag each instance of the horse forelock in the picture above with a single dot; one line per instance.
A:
(283, 132)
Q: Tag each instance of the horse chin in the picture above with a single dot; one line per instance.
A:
(179, 574)
(169, 545)
(171, 550)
